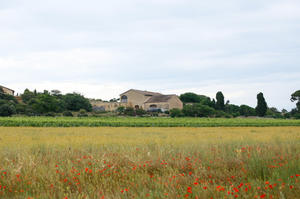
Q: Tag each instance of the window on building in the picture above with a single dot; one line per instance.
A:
(153, 106)
(124, 99)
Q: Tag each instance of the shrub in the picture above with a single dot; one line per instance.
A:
(140, 111)
(67, 114)
(129, 111)
(82, 113)
(297, 116)
(175, 112)
(50, 114)
(120, 109)
(7, 110)
(221, 114)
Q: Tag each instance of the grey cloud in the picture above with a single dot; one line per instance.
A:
(163, 45)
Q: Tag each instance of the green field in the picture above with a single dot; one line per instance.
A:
(143, 122)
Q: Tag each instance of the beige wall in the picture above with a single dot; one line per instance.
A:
(161, 105)
(108, 106)
(8, 91)
(134, 98)
(173, 102)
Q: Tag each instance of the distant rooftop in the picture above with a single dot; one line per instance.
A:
(143, 92)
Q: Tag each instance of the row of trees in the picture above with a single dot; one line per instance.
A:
(43, 103)
(203, 106)
(50, 103)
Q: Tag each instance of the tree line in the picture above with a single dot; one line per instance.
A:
(202, 106)
(45, 103)
(33, 103)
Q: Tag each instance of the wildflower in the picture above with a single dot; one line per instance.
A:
(270, 186)
(263, 195)
(205, 187)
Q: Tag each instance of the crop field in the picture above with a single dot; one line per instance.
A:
(143, 122)
(124, 162)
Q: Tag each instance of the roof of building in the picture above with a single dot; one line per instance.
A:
(143, 92)
(159, 98)
(7, 88)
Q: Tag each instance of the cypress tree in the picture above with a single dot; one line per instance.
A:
(220, 101)
(261, 107)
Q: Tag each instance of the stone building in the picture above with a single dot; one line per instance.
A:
(163, 102)
(7, 90)
(149, 101)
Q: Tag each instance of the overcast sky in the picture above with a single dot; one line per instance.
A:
(103, 48)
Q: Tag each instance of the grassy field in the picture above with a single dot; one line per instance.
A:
(123, 162)
(142, 122)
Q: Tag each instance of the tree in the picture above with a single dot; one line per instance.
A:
(220, 101)
(204, 100)
(55, 92)
(247, 110)
(75, 102)
(232, 109)
(197, 110)
(190, 98)
(261, 107)
(296, 97)
(27, 95)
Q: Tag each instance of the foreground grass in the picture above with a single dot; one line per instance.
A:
(107, 162)
(143, 122)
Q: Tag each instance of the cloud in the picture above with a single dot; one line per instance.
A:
(101, 48)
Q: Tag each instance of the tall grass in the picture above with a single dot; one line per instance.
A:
(126, 162)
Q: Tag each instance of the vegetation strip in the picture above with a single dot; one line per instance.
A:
(142, 122)
(107, 162)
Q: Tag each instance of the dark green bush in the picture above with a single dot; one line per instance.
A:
(7, 110)
(67, 114)
(175, 112)
(129, 111)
